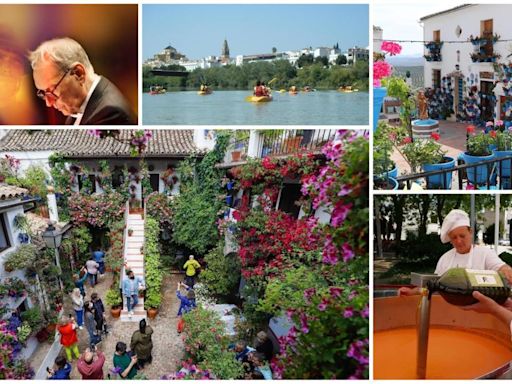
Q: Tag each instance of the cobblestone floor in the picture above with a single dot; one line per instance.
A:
(167, 344)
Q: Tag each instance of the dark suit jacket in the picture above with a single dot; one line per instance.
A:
(107, 106)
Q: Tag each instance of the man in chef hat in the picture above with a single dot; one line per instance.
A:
(456, 229)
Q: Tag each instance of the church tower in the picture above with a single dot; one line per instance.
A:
(224, 56)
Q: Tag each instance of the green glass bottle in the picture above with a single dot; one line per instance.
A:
(456, 286)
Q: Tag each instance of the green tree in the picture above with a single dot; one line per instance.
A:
(341, 60)
(305, 60)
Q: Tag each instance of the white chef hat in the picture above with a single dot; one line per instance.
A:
(456, 218)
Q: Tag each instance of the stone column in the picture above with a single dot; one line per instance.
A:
(52, 205)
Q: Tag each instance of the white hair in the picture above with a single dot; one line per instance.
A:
(64, 52)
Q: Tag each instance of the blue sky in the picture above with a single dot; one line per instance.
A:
(199, 30)
(408, 27)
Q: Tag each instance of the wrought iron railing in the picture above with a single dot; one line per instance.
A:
(288, 141)
(488, 174)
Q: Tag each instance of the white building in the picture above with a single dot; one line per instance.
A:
(467, 65)
(377, 39)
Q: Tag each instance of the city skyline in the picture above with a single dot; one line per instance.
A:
(171, 24)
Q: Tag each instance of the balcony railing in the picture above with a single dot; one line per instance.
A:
(289, 141)
(488, 174)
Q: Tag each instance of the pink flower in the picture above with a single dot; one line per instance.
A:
(323, 305)
(391, 48)
(335, 291)
(381, 69)
(489, 124)
(407, 140)
(308, 294)
(347, 252)
(349, 312)
(499, 123)
(340, 213)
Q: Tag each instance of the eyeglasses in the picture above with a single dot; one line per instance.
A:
(50, 95)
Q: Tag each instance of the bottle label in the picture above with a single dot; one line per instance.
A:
(484, 278)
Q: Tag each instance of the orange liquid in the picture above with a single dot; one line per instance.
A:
(452, 354)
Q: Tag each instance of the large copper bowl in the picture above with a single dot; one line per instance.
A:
(462, 344)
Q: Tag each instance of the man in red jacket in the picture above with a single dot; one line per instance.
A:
(90, 365)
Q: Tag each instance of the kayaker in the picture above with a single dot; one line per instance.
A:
(258, 89)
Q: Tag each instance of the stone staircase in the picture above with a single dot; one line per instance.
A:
(135, 261)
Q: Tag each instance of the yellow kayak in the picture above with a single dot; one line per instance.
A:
(202, 93)
(259, 99)
(282, 91)
(293, 92)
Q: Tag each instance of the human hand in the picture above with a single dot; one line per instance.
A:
(134, 359)
(406, 291)
(484, 305)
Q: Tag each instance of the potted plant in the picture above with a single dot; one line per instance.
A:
(115, 301)
(130, 232)
(384, 169)
(503, 148)
(479, 149)
(152, 302)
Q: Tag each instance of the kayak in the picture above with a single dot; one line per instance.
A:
(259, 99)
(203, 93)
(293, 92)
(282, 91)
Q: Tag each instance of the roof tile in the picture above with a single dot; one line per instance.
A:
(77, 143)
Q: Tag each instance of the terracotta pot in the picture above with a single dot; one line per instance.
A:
(152, 312)
(235, 156)
(51, 328)
(115, 312)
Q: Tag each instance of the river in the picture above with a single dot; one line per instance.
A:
(230, 108)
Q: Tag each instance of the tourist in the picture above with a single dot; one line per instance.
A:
(79, 280)
(90, 324)
(99, 258)
(126, 365)
(131, 286)
(142, 345)
(264, 345)
(187, 303)
(63, 369)
(191, 267)
(456, 229)
(92, 271)
(68, 338)
(99, 313)
(78, 305)
(65, 80)
(242, 351)
(258, 89)
(90, 364)
(258, 361)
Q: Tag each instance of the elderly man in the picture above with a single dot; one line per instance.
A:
(65, 79)
(456, 229)
(90, 364)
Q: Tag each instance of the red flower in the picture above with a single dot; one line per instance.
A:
(492, 134)
(436, 136)
(470, 129)
(407, 140)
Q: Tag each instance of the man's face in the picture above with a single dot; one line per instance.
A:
(461, 239)
(69, 94)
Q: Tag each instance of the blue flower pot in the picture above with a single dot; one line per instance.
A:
(393, 173)
(478, 175)
(229, 200)
(441, 181)
(503, 169)
(378, 99)
(230, 185)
